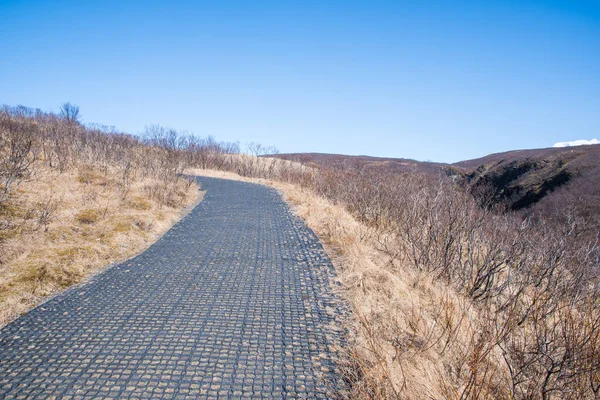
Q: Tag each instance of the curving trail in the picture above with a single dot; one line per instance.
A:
(233, 302)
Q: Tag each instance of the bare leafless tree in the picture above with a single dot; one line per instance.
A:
(70, 112)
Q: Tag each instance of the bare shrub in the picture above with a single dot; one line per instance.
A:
(18, 151)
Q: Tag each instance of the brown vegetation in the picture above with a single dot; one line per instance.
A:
(555, 183)
(451, 300)
(74, 199)
(381, 164)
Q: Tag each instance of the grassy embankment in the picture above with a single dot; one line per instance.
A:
(75, 200)
(449, 300)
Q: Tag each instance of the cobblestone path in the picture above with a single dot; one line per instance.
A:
(233, 302)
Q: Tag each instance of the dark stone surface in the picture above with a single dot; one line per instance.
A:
(233, 302)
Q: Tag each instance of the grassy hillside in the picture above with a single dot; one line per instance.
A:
(557, 183)
(451, 299)
(454, 300)
(74, 199)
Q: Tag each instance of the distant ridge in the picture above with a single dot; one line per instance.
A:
(382, 163)
(540, 180)
(548, 181)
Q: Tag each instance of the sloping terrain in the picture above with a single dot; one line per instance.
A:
(538, 180)
(75, 198)
(559, 183)
(528, 154)
(395, 165)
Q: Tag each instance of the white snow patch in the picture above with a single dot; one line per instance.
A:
(577, 143)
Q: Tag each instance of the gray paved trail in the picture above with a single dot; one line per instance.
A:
(233, 302)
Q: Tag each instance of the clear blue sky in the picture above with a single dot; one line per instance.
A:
(443, 81)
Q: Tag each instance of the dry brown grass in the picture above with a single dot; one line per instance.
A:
(398, 347)
(89, 222)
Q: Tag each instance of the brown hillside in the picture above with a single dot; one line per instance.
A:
(397, 165)
(557, 182)
(547, 181)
